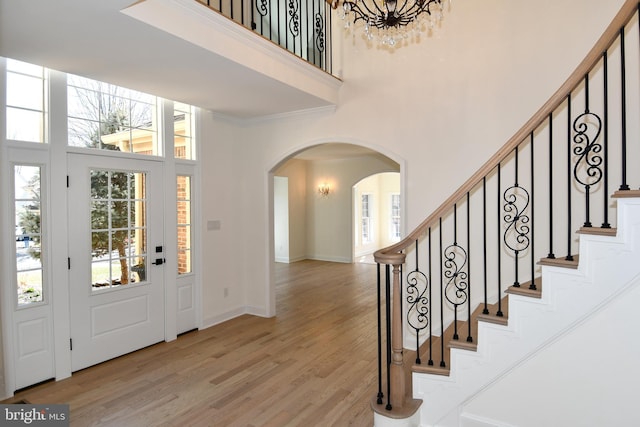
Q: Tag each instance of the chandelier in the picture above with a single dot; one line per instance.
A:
(391, 20)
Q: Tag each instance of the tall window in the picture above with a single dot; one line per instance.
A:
(184, 224)
(28, 237)
(395, 217)
(366, 218)
(183, 124)
(26, 101)
(109, 117)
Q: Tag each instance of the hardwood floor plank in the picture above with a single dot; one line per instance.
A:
(314, 364)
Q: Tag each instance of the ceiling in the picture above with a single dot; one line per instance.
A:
(94, 39)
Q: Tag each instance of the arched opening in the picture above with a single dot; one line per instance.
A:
(377, 214)
(311, 194)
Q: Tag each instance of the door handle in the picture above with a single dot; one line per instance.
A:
(159, 261)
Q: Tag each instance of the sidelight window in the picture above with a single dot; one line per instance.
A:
(28, 236)
(184, 224)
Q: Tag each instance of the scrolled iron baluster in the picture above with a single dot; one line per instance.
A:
(262, 7)
(456, 286)
(587, 170)
(319, 30)
(294, 17)
(516, 234)
(418, 312)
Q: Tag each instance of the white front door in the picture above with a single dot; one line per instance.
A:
(116, 257)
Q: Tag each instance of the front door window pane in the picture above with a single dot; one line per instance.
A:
(118, 228)
(28, 235)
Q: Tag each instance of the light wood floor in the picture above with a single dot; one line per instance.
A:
(314, 364)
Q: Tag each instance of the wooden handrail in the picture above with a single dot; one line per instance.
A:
(392, 254)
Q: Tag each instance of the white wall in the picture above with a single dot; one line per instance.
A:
(296, 172)
(281, 218)
(221, 201)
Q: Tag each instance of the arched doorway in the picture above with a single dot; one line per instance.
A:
(377, 214)
(319, 225)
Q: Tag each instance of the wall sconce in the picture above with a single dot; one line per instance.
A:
(324, 189)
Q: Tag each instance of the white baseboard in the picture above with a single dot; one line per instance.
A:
(232, 314)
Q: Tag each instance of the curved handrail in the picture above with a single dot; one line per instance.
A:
(393, 254)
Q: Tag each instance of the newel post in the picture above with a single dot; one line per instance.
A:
(398, 385)
(396, 380)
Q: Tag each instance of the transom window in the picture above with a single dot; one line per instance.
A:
(109, 117)
(183, 125)
(26, 100)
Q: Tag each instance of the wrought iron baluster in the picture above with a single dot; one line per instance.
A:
(469, 337)
(319, 38)
(388, 322)
(430, 311)
(499, 257)
(262, 7)
(484, 242)
(278, 25)
(418, 311)
(623, 97)
(569, 257)
(586, 171)
(551, 255)
(532, 286)
(294, 21)
(605, 101)
(516, 202)
(442, 362)
(456, 289)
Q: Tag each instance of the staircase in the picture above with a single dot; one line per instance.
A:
(608, 270)
(490, 284)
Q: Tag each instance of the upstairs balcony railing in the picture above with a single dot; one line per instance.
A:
(558, 176)
(303, 27)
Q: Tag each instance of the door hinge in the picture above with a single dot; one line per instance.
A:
(70, 344)
(68, 263)
(67, 181)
